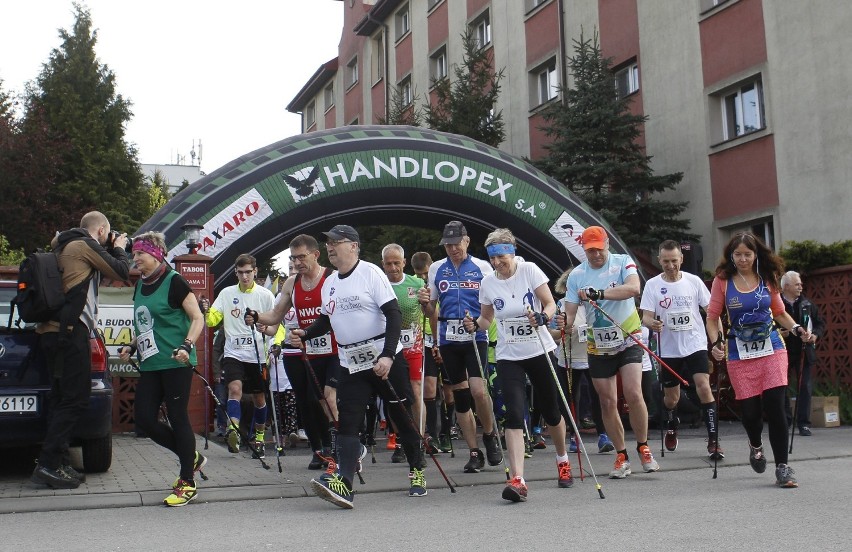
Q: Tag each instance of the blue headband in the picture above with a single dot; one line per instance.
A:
(498, 249)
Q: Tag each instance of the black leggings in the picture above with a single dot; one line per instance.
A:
(510, 375)
(308, 398)
(171, 385)
(771, 404)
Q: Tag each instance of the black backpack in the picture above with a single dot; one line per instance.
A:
(40, 294)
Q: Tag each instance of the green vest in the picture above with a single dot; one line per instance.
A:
(160, 329)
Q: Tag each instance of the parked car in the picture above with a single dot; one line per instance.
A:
(25, 386)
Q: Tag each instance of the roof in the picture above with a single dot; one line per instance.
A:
(317, 82)
(376, 16)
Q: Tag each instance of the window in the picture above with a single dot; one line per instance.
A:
(328, 96)
(530, 5)
(762, 228)
(707, 5)
(377, 64)
(627, 80)
(405, 91)
(352, 73)
(432, 4)
(482, 30)
(403, 22)
(310, 114)
(438, 64)
(544, 83)
(742, 110)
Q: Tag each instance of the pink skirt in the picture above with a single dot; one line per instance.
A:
(754, 376)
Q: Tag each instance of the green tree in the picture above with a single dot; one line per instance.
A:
(74, 101)
(9, 256)
(158, 193)
(594, 153)
(402, 110)
(466, 105)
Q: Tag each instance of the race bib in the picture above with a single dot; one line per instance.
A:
(428, 341)
(319, 345)
(608, 337)
(456, 331)
(679, 321)
(754, 349)
(407, 338)
(518, 330)
(243, 343)
(581, 333)
(146, 345)
(361, 357)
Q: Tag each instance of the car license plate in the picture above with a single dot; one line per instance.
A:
(18, 403)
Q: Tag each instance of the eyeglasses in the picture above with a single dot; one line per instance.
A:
(301, 258)
(245, 272)
(335, 243)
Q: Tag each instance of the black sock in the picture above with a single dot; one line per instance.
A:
(709, 410)
(640, 445)
(624, 452)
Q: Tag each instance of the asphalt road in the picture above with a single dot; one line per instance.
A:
(673, 510)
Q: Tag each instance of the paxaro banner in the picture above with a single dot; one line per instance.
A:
(376, 175)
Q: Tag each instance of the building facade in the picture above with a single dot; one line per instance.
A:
(745, 97)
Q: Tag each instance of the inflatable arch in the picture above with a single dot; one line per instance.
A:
(376, 175)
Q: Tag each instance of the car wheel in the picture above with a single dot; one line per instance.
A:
(97, 454)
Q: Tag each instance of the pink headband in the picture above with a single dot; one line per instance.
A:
(149, 248)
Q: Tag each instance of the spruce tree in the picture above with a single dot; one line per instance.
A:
(74, 101)
(466, 105)
(593, 151)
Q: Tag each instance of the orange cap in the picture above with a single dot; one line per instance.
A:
(594, 237)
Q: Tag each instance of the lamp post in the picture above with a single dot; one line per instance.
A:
(192, 235)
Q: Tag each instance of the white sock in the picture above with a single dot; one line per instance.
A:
(560, 459)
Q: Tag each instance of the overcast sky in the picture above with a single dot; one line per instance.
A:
(222, 72)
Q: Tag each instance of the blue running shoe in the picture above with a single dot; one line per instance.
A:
(604, 444)
(572, 445)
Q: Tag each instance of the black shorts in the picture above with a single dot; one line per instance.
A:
(254, 380)
(686, 367)
(460, 361)
(606, 366)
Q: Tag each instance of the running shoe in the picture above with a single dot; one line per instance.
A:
(527, 449)
(515, 490)
(648, 462)
(492, 448)
(233, 440)
(371, 440)
(259, 450)
(430, 447)
(293, 438)
(670, 440)
(476, 462)
(68, 470)
(454, 432)
(587, 423)
(784, 477)
(199, 463)
(302, 435)
(334, 488)
(621, 468)
(317, 461)
(398, 456)
(417, 487)
(182, 493)
(605, 444)
(565, 480)
(805, 431)
(572, 444)
(538, 441)
(757, 459)
(391, 442)
(714, 450)
(444, 443)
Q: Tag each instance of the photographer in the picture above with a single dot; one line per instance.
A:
(84, 254)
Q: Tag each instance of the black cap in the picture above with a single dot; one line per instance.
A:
(343, 232)
(454, 231)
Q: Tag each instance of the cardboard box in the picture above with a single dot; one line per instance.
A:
(825, 411)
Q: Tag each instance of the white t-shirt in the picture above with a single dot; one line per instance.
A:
(511, 299)
(579, 356)
(353, 305)
(239, 338)
(676, 304)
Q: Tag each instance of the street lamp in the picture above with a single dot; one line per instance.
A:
(192, 235)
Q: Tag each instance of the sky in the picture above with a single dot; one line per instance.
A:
(215, 71)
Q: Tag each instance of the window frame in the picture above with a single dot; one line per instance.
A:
(310, 114)
(482, 21)
(352, 73)
(328, 96)
(406, 89)
(435, 64)
(544, 84)
(733, 110)
(377, 65)
(402, 21)
(631, 71)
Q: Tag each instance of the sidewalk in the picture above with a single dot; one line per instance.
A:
(142, 472)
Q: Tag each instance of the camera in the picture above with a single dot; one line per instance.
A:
(128, 247)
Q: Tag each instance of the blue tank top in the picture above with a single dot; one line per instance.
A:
(752, 326)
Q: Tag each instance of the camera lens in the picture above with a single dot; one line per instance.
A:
(128, 247)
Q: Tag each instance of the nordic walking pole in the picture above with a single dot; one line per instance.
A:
(567, 408)
(639, 342)
(662, 404)
(446, 412)
(268, 388)
(485, 382)
(234, 426)
(405, 411)
(719, 341)
(800, 369)
(569, 371)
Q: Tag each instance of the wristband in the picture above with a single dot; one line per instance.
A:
(132, 348)
(796, 330)
(185, 347)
